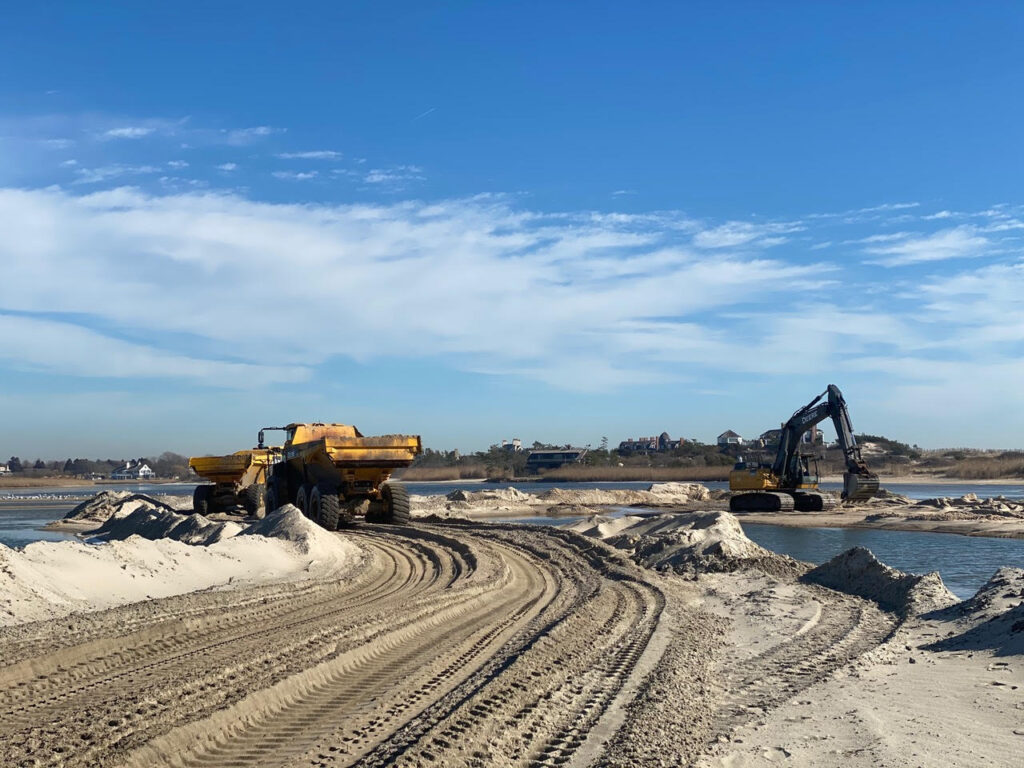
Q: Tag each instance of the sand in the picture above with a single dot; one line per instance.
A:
(554, 502)
(152, 552)
(641, 640)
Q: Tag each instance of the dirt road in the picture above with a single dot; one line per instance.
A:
(460, 644)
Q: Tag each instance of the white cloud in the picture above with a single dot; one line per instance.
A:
(243, 136)
(177, 164)
(574, 301)
(69, 164)
(396, 176)
(735, 233)
(955, 243)
(227, 167)
(319, 154)
(44, 345)
(294, 175)
(57, 143)
(108, 172)
(128, 132)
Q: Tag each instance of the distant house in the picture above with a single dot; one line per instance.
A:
(133, 470)
(729, 438)
(660, 444)
(515, 446)
(4, 469)
(538, 461)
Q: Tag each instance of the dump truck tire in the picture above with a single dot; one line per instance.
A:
(254, 499)
(325, 507)
(273, 500)
(302, 500)
(396, 504)
(201, 497)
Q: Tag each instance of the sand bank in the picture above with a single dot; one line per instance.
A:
(145, 550)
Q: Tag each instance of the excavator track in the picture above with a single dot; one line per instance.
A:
(812, 501)
(761, 501)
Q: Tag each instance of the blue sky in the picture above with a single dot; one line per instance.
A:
(553, 221)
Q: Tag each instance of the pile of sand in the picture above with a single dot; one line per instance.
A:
(858, 572)
(968, 507)
(151, 522)
(658, 495)
(993, 619)
(497, 495)
(107, 504)
(687, 543)
(48, 579)
(509, 502)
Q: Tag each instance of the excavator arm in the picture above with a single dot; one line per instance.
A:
(859, 482)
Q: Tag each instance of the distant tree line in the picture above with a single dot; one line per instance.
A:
(167, 465)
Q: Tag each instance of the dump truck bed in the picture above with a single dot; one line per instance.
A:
(229, 468)
(384, 451)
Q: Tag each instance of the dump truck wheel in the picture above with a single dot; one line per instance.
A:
(201, 497)
(302, 500)
(272, 500)
(396, 504)
(325, 508)
(253, 499)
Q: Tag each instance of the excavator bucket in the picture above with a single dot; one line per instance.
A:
(859, 487)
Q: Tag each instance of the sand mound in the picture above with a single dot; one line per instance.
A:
(659, 495)
(941, 508)
(288, 524)
(993, 619)
(858, 572)
(107, 504)
(154, 553)
(156, 523)
(508, 495)
(686, 543)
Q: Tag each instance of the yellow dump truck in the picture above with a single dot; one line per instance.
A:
(237, 481)
(335, 474)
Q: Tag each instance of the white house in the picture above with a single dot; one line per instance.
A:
(729, 438)
(4, 469)
(133, 471)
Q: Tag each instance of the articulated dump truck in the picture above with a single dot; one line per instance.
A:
(332, 472)
(238, 482)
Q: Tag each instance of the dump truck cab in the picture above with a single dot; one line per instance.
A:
(335, 474)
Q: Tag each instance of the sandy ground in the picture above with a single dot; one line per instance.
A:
(640, 641)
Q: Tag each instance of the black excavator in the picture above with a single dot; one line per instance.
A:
(788, 483)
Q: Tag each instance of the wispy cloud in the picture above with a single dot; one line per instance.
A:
(227, 167)
(244, 136)
(316, 154)
(109, 172)
(57, 143)
(421, 115)
(397, 176)
(294, 175)
(177, 164)
(956, 243)
(538, 282)
(736, 233)
(128, 132)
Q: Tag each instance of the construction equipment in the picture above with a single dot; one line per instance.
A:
(334, 474)
(788, 483)
(239, 481)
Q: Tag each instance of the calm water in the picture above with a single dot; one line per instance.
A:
(965, 562)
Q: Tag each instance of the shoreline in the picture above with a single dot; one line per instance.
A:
(981, 527)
